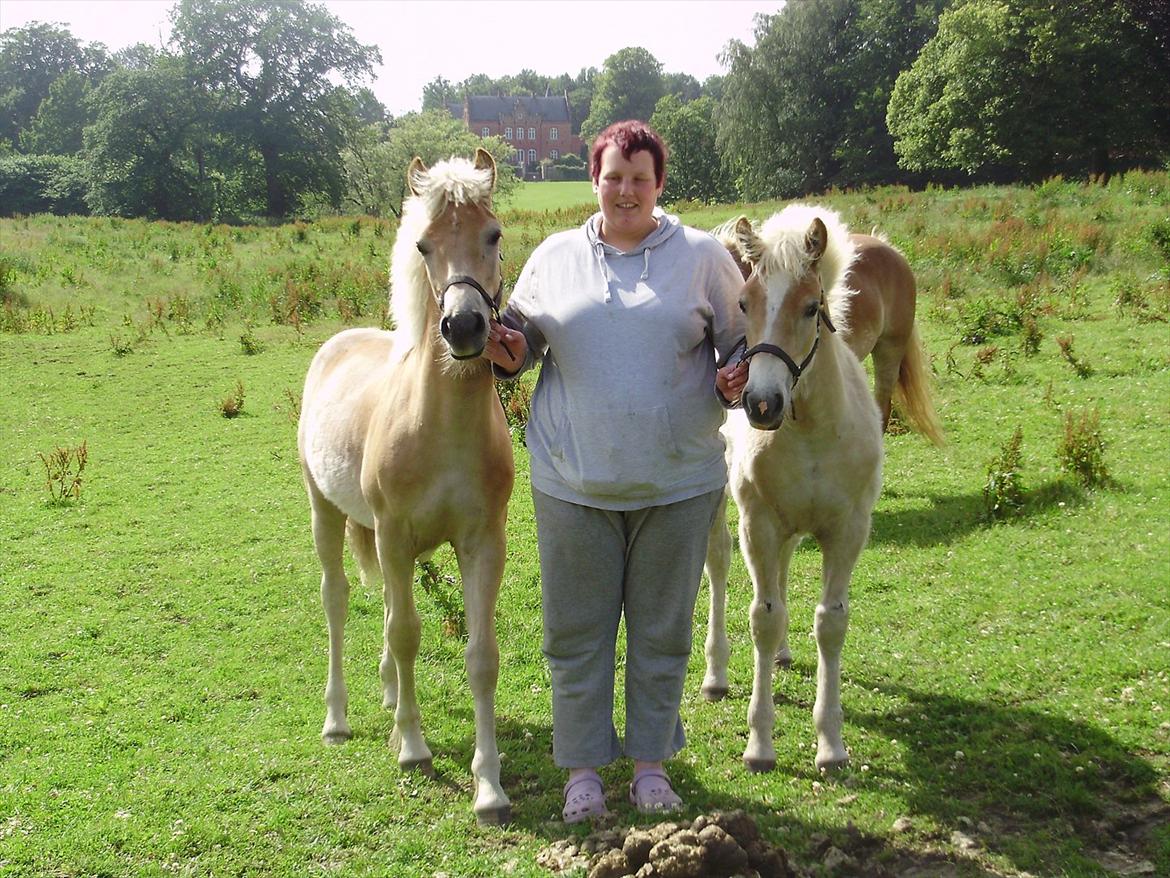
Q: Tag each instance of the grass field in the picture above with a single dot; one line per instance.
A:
(1006, 681)
(552, 195)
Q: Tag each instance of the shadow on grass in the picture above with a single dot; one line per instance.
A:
(947, 518)
(1048, 794)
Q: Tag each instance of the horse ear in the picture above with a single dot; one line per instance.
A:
(749, 243)
(485, 162)
(416, 174)
(816, 239)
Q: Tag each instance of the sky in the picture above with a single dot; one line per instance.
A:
(422, 39)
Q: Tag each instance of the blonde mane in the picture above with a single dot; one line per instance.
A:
(455, 181)
(783, 235)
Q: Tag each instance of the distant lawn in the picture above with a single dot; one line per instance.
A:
(550, 195)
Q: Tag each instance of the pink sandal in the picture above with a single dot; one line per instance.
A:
(651, 793)
(584, 798)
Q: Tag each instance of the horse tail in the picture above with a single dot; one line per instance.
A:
(361, 543)
(912, 393)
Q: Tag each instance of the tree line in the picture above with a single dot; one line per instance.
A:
(259, 108)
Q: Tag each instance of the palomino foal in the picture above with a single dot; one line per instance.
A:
(805, 456)
(404, 447)
(874, 316)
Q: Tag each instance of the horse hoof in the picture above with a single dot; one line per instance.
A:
(501, 816)
(424, 767)
(714, 693)
(758, 766)
(784, 662)
(336, 738)
(830, 765)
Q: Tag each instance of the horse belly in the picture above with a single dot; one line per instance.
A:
(335, 413)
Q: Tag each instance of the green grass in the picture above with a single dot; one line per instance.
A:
(163, 649)
(551, 195)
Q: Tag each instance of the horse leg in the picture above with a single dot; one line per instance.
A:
(783, 652)
(718, 651)
(403, 632)
(329, 541)
(840, 552)
(887, 360)
(361, 543)
(765, 552)
(481, 567)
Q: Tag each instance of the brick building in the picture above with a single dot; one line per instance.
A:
(536, 128)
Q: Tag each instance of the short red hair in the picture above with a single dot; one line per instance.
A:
(629, 137)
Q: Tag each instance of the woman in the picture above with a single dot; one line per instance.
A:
(626, 460)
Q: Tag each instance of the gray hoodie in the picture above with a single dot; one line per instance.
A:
(624, 414)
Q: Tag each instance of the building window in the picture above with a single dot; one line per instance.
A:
(518, 156)
(532, 155)
(519, 133)
(553, 134)
(483, 132)
(507, 133)
(532, 134)
(553, 153)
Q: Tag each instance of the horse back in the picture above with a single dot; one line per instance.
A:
(887, 292)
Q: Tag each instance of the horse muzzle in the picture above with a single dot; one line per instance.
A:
(465, 332)
(765, 411)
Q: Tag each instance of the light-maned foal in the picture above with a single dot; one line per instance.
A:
(404, 446)
(805, 456)
(874, 315)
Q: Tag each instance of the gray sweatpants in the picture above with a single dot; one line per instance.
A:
(596, 564)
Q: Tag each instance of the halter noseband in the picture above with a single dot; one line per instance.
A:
(493, 302)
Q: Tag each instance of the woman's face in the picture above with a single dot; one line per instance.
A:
(626, 193)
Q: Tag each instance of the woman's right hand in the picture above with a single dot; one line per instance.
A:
(495, 351)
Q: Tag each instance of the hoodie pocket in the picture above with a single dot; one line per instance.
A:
(614, 452)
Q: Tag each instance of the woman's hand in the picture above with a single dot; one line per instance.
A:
(730, 381)
(495, 351)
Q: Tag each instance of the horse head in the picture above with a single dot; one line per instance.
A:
(794, 259)
(450, 225)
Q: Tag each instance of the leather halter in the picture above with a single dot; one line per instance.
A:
(493, 302)
(775, 350)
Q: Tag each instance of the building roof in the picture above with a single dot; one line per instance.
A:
(489, 108)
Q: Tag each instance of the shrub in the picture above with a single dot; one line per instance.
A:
(1083, 369)
(63, 469)
(233, 403)
(1082, 450)
(444, 591)
(249, 343)
(1003, 493)
(42, 184)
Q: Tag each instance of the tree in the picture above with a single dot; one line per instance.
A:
(272, 66)
(32, 58)
(682, 85)
(1027, 88)
(438, 93)
(143, 148)
(60, 119)
(628, 87)
(376, 166)
(804, 109)
(695, 170)
(778, 101)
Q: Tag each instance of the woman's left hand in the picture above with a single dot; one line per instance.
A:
(730, 380)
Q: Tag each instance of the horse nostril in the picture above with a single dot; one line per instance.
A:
(479, 325)
(445, 327)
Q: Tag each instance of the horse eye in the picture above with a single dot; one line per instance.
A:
(424, 248)
(743, 305)
(494, 238)
(811, 310)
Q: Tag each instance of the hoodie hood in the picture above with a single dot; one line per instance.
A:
(668, 224)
